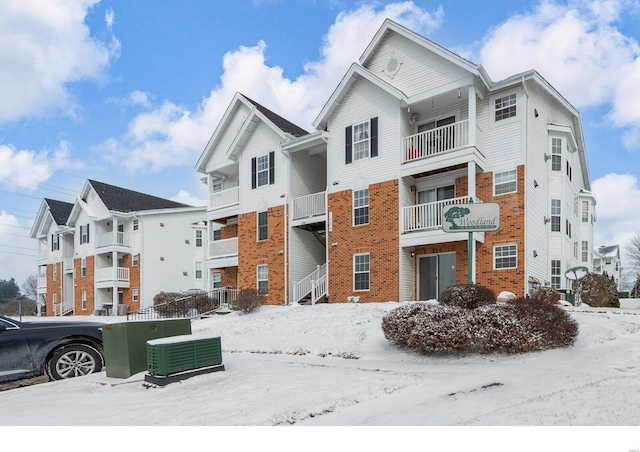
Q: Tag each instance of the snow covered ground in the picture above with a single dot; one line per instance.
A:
(330, 365)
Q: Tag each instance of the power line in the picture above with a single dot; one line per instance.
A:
(20, 194)
(20, 247)
(18, 254)
(20, 210)
(13, 226)
(15, 235)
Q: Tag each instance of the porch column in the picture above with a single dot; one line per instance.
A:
(471, 176)
(114, 233)
(472, 116)
(114, 289)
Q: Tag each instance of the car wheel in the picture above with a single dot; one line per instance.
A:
(73, 360)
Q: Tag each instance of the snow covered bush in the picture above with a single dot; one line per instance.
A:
(468, 296)
(548, 294)
(599, 291)
(521, 325)
(248, 300)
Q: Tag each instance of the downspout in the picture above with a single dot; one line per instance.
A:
(526, 159)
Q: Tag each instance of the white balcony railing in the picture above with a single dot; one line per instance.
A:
(315, 284)
(219, 249)
(427, 216)
(309, 206)
(42, 282)
(224, 198)
(106, 274)
(43, 254)
(436, 141)
(68, 263)
(108, 239)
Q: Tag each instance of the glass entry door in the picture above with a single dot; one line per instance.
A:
(436, 272)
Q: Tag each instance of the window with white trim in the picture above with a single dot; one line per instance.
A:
(361, 206)
(55, 242)
(135, 224)
(262, 170)
(555, 274)
(361, 141)
(505, 107)
(263, 226)
(361, 271)
(505, 182)
(263, 278)
(55, 272)
(556, 211)
(556, 154)
(198, 238)
(216, 279)
(575, 249)
(55, 299)
(84, 300)
(198, 270)
(505, 256)
(585, 211)
(135, 260)
(585, 251)
(135, 294)
(83, 266)
(84, 233)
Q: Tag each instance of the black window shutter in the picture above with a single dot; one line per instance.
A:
(253, 173)
(87, 232)
(348, 144)
(272, 167)
(374, 137)
(51, 242)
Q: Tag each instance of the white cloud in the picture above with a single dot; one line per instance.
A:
(26, 169)
(616, 195)
(187, 198)
(44, 46)
(578, 49)
(14, 245)
(172, 135)
(109, 17)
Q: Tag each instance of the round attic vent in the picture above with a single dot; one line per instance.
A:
(393, 65)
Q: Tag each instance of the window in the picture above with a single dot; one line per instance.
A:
(135, 260)
(263, 170)
(361, 268)
(556, 154)
(198, 238)
(55, 242)
(575, 249)
(216, 187)
(217, 234)
(361, 141)
(263, 279)
(198, 270)
(55, 299)
(84, 233)
(135, 295)
(567, 227)
(555, 274)
(55, 272)
(135, 225)
(505, 256)
(263, 227)
(361, 206)
(84, 300)
(569, 170)
(555, 215)
(83, 266)
(216, 279)
(505, 107)
(505, 182)
(585, 251)
(585, 211)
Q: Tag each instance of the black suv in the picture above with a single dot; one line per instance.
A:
(59, 349)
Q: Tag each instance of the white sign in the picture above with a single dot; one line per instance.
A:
(477, 217)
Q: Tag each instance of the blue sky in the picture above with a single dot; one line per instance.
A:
(128, 92)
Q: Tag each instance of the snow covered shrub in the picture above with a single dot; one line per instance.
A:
(468, 296)
(248, 300)
(518, 326)
(599, 291)
(548, 294)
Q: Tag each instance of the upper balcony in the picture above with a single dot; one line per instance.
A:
(224, 204)
(110, 276)
(442, 147)
(309, 209)
(119, 240)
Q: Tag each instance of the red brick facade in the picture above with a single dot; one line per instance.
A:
(54, 286)
(85, 283)
(252, 252)
(379, 238)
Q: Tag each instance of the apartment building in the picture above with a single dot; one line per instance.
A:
(606, 260)
(353, 210)
(114, 249)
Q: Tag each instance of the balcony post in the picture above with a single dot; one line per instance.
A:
(471, 179)
(472, 116)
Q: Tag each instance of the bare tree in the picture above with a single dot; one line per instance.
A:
(633, 252)
(30, 287)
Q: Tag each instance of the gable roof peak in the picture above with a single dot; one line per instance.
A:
(120, 199)
(280, 122)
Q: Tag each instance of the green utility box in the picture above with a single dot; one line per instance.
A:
(125, 344)
(176, 354)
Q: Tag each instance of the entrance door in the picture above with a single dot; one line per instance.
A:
(436, 272)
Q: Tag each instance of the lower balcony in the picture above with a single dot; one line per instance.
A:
(107, 277)
(309, 209)
(223, 253)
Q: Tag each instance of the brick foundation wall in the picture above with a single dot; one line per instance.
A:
(379, 238)
(252, 252)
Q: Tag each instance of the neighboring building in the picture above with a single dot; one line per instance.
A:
(114, 249)
(353, 210)
(606, 260)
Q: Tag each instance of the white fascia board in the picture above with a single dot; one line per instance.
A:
(567, 130)
(37, 226)
(79, 206)
(343, 88)
(245, 131)
(306, 141)
(176, 210)
(222, 125)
